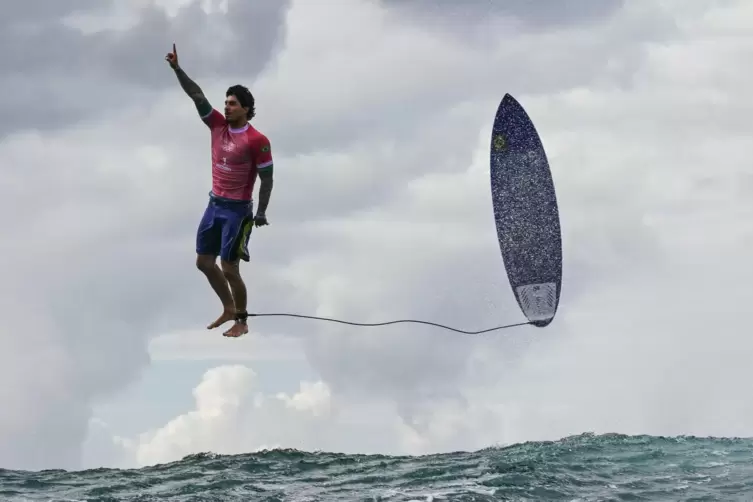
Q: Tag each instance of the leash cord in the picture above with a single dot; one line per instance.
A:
(329, 319)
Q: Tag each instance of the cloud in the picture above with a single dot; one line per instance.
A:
(631, 153)
(59, 69)
(195, 345)
(91, 270)
(381, 210)
(227, 415)
(541, 15)
(231, 416)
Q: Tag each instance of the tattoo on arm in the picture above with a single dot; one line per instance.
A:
(191, 88)
(265, 192)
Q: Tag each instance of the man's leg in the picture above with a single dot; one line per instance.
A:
(208, 246)
(208, 265)
(235, 249)
(232, 275)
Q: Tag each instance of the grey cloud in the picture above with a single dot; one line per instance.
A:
(17, 13)
(541, 14)
(606, 55)
(54, 74)
(124, 268)
(607, 243)
(606, 238)
(104, 281)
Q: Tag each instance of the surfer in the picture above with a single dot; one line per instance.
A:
(240, 153)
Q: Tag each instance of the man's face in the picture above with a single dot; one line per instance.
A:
(233, 109)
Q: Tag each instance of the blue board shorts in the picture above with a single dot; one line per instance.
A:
(225, 229)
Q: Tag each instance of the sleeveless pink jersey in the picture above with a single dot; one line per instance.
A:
(237, 156)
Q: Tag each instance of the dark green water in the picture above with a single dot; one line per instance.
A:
(581, 468)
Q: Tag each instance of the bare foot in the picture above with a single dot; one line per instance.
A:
(238, 329)
(227, 315)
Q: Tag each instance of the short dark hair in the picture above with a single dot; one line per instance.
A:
(244, 97)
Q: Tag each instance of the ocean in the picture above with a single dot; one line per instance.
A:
(586, 467)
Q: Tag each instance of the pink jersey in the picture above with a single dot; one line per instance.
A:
(237, 156)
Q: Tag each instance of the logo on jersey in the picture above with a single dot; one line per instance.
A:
(224, 165)
(228, 146)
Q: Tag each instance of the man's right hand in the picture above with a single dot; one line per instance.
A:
(172, 58)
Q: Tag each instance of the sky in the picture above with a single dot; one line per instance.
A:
(379, 114)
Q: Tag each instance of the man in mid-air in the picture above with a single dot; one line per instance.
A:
(240, 153)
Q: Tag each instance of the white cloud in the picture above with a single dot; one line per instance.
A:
(230, 418)
(202, 345)
(381, 210)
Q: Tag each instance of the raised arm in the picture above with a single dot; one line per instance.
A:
(190, 87)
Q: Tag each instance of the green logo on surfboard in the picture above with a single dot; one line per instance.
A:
(500, 142)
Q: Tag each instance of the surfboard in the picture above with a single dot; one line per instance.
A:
(526, 213)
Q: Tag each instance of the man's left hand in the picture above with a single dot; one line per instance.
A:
(260, 220)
